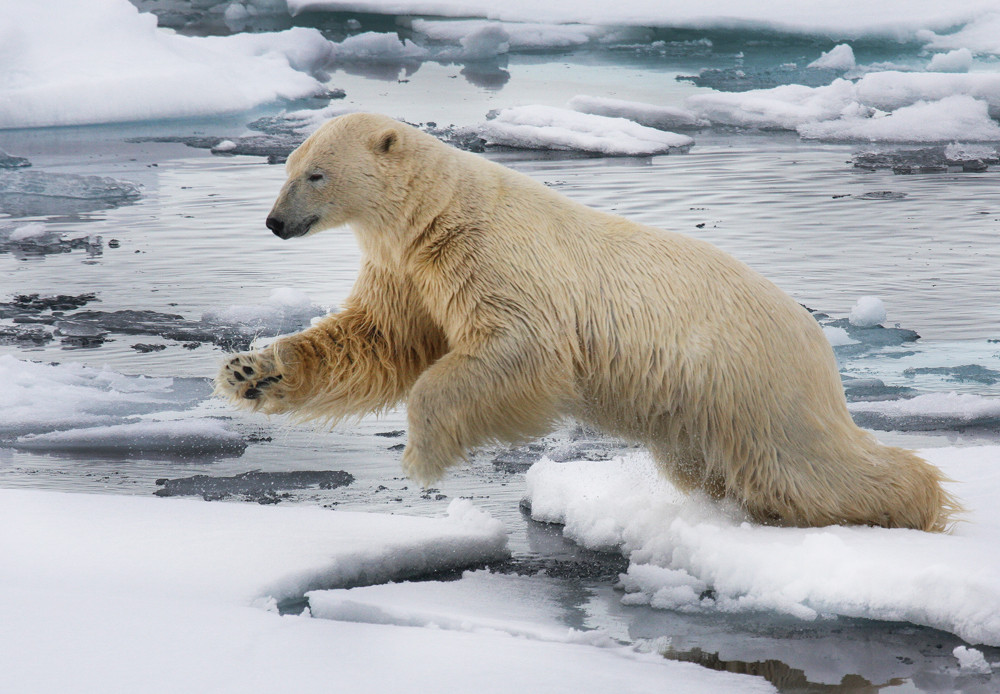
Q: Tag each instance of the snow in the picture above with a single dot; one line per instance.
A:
(680, 548)
(840, 57)
(181, 592)
(71, 63)
(867, 312)
(958, 60)
(899, 19)
(548, 127)
(649, 115)
(890, 90)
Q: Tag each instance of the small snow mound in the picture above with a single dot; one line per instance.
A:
(971, 660)
(225, 146)
(959, 60)
(840, 58)
(868, 312)
(465, 514)
(550, 128)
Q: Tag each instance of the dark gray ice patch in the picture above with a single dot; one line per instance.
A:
(40, 242)
(262, 487)
(871, 389)
(926, 422)
(928, 159)
(880, 195)
(741, 78)
(967, 373)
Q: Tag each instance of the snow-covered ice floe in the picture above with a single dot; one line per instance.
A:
(888, 106)
(116, 593)
(551, 128)
(649, 115)
(531, 609)
(71, 63)
(689, 554)
(898, 19)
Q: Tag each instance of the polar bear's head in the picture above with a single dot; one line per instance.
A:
(349, 170)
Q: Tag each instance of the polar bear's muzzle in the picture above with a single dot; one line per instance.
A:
(285, 230)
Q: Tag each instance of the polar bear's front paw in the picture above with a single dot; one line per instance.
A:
(250, 376)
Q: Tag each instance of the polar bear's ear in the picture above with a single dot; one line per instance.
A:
(385, 141)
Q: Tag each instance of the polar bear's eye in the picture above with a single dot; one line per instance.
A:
(315, 177)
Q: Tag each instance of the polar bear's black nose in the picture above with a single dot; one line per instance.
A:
(276, 225)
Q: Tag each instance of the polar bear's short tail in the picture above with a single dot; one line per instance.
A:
(916, 494)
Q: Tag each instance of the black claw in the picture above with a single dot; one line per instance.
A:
(248, 370)
(252, 394)
(238, 376)
(269, 380)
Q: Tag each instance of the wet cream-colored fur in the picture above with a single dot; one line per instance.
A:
(495, 307)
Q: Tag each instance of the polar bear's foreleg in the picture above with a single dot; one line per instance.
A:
(466, 400)
(343, 366)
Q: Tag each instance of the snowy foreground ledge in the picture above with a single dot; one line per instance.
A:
(689, 554)
(102, 593)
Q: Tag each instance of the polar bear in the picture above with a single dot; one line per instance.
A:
(494, 307)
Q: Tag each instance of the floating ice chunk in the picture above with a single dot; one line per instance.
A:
(39, 398)
(224, 146)
(486, 42)
(959, 152)
(888, 91)
(516, 605)
(951, 118)
(34, 230)
(182, 438)
(971, 660)
(868, 311)
(785, 107)
(898, 20)
(286, 310)
(958, 60)
(373, 46)
(526, 35)
(62, 185)
(659, 117)
(9, 161)
(981, 36)
(838, 337)
(547, 127)
(72, 64)
(692, 554)
(929, 412)
(839, 58)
